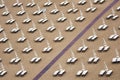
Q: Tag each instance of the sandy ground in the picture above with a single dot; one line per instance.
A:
(71, 69)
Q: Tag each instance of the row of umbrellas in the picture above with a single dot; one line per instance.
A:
(94, 59)
(61, 71)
